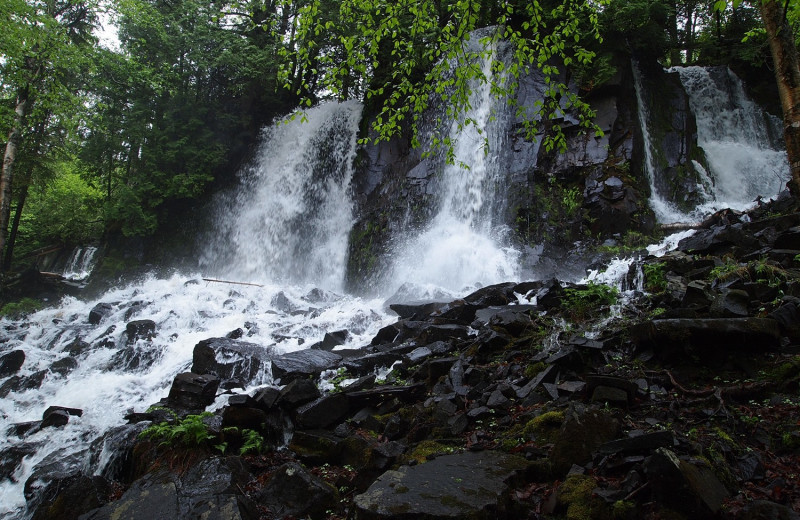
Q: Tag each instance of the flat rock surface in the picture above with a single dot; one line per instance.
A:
(464, 485)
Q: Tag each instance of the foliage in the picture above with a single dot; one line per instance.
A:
(655, 277)
(188, 432)
(399, 56)
(579, 302)
(22, 307)
(253, 442)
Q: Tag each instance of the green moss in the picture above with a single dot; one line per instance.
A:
(532, 370)
(21, 308)
(426, 449)
(576, 493)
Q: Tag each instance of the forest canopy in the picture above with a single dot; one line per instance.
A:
(103, 139)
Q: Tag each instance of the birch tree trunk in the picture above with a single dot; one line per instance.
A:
(7, 175)
(787, 75)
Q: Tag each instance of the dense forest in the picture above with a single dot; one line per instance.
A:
(108, 137)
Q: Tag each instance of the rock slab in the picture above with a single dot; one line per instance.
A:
(464, 485)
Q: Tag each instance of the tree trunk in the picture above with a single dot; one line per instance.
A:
(12, 236)
(787, 75)
(7, 175)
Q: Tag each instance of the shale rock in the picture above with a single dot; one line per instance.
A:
(293, 492)
(230, 359)
(193, 391)
(303, 364)
(469, 485)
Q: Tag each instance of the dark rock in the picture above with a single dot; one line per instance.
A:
(64, 366)
(691, 488)
(140, 329)
(57, 471)
(282, 303)
(416, 311)
(243, 417)
(111, 455)
(332, 340)
(323, 412)
(10, 363)
(303, 364)
(731, 303)
(212, 489)
(230, 359)
(581, 433)
(69, 498)
(77, 412)
(708, 339)
(466, 485)
(548, 375)
(644, 443)
(100, 311)
(298, 392)
(193, 391)
(294, 492)
(149, 498)
(22, 383)
(265, 398)
(386, 335)
(514, 319)
(77, 347)
(788, 318)
(766, 510)
(498, 294)
(11, 458)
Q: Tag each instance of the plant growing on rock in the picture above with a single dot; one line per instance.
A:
(579, 302)
(187, 432)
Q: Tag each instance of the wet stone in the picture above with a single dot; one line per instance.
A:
(10, 363)
(466, 485)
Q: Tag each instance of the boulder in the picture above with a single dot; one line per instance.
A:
(303, 364)
(709, 339)
(140, 329)
(690, 487)
(100, 311)
(296, 393)
(293, 492)
(230, 359)
(323, 412)
(465, 485)
(10, 363)
(193, 391)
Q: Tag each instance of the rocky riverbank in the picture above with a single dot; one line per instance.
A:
(678, 399)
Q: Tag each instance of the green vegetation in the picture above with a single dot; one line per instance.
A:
(579, 302)
(655, 277)
(119, 140)
(20, 308)
(188, 432)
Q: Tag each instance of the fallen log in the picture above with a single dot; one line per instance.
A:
(231, 282)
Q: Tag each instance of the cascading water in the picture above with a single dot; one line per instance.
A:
(290, 219)
(664, 210)
(285, 229)
(80, 263)
(464, 245)
(741, 141)
(742, 145)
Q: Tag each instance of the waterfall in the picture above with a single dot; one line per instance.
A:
(464, 245)
(664, 210)
(289, 220)
(742, 142)
(80, 263)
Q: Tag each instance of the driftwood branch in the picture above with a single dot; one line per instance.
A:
(230, 282)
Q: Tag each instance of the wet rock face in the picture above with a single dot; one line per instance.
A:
(230, 360)
(465, 485)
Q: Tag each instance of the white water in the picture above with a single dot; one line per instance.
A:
(80, 263)
(464, 246)
(741, 141)
(285, 229)
(290, 219)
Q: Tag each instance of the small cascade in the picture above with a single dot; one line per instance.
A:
(290, 219)
(80, 263)
(464, 245)
(664, 210)
(742, 142)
